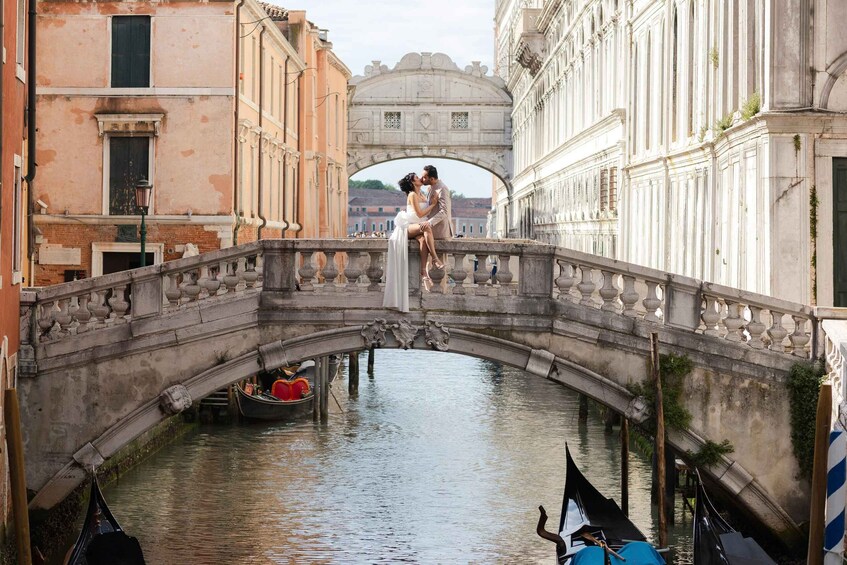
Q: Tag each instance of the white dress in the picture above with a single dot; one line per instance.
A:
(397, 261)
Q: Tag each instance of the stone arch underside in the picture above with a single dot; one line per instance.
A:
(426, 106)
(540, 362)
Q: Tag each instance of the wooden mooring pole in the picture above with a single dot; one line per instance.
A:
(814, 556)
(583, 409)
(353, 373)
(324, 373)
(660, 439)
(316, 403)
(12, 414)
(625, 465)
(371, 362)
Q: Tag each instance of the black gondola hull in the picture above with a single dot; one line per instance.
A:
(255, 408)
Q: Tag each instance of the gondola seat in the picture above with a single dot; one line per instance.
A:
(299, 388)
(282, 390)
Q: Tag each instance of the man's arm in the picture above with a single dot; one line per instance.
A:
(441, 215)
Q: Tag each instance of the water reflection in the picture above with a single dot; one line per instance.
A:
(439, 459)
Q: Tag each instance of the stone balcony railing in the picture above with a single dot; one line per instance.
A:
(525, 269)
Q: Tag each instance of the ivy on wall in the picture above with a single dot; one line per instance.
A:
(804, 385)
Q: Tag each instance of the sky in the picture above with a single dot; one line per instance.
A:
(362, 31)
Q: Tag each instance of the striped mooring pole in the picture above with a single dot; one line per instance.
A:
(836, 497)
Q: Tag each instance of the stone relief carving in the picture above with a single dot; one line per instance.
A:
(405, 333)
(175, 399)
(425, 120)
(637, 409)
(437, 336)
(374, 333)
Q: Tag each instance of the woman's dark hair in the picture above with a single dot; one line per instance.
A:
(406, 184)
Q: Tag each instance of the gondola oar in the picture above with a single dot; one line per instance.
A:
(601, 543)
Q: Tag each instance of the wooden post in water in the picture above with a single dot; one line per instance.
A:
(814, 556)
(12, 414)
(353, 373)
(583, 409)
(660, 439)
(324, 372)
(371, 362)
(316, 403)
(625, 465)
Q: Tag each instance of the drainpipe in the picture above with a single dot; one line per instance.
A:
(285, 141)
(300, 139)
(261, 131)
(30, 109)
(236, 177)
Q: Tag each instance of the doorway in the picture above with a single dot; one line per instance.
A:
(116, 261)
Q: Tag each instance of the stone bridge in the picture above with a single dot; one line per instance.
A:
(107, 358)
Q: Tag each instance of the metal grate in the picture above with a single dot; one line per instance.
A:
(392, 120)
(459, 120)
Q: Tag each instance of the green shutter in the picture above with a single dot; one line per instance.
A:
(839, 230)
(130, 51)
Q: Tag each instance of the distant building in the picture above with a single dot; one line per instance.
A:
(371, 210)
(235, 112)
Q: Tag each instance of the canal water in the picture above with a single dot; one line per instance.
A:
(440, 458)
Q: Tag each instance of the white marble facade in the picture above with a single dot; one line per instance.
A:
(684, 135)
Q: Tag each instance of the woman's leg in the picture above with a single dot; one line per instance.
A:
(430, 244)
(415, 232)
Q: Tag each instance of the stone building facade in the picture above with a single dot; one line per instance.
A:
(688, 136)
(15, 180)
(213, 102)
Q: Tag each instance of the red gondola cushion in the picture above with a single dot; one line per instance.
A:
(299, 388)
(282, 390)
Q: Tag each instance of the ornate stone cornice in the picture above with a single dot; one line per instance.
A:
(129, 124)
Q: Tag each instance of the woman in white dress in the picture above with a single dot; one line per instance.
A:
(407, 225)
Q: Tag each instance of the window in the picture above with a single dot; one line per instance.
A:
(130, 51)
(480, 228)
(380, 208)
(357, 226)
(463, 228)
(458, 120)
(613, 189)
(604, 190)
(129, 161)
(17, 223)
(397, 209)
(391, 120)
(20, 56)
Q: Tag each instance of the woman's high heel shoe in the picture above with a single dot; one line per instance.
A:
(426, 282)
(438, 265)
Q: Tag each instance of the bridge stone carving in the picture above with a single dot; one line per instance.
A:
(426, 106)
(112, 356)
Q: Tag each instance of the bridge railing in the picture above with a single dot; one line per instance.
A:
(473, 267)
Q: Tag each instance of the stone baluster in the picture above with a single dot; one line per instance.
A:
(63, 316)
(191, 287)
(711, 316)
(799, 337)
(212, 281)
(629, 297)
(100, 307)
(352, 271)
(651, 302)
(250, 274)
(330, 271)
(565, 280)
(45, 318)
(776, 332)
(119, 304)
(231, 279)
(459, 273)
(481, 275)
(83, 314)
(437, 276)
(260, 269)
(586, 287)
(307, 272)
(733, 322)
(173, 293)
(756, 328)
(609, 293)
(504, 275)
(374, 270)
(203, 277)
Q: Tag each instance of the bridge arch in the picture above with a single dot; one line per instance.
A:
(380, 333)
(426, 106)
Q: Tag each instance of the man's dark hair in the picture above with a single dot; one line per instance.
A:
(431, 171)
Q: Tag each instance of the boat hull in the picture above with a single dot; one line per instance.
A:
(255, 408)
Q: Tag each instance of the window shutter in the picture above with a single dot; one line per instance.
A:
(130, 51)
(140, 52)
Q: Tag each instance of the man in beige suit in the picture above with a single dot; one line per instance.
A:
(439, 217)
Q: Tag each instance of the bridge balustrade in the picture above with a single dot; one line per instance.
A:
(524, 269)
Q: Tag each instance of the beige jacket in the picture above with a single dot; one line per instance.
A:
(440, 217)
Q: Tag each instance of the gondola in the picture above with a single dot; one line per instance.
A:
(593, 530)
(102, 537)
(270, 408)
(716, 542)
